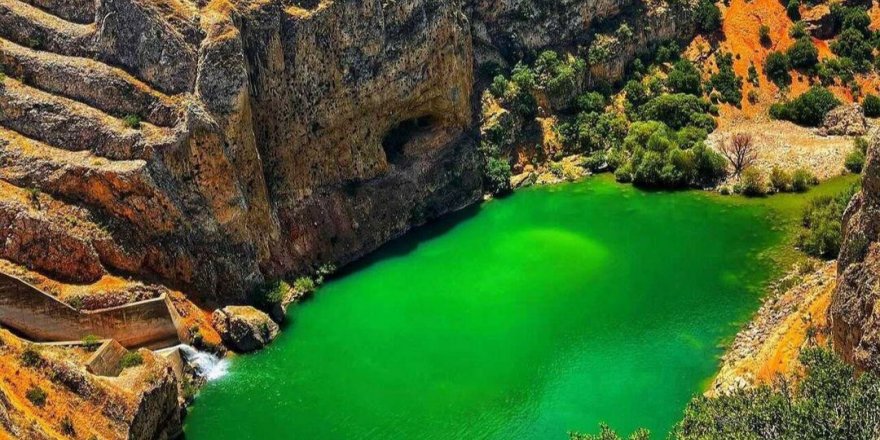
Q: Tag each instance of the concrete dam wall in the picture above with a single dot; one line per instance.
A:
(41, 317)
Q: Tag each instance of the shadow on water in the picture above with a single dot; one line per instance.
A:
(410, 241)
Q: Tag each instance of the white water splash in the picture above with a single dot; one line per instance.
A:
(207, 365)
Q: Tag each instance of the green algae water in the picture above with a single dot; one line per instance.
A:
(549, 311)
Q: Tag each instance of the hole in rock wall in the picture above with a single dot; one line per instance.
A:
(401, 134)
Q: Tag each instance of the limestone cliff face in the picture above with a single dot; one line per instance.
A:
(855, 311)
(211, 145)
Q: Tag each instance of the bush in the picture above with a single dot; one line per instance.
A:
(591, 102)
(684, 78)
(36, 395)
(132, 121)
(304, 285)
(822, 234)
(853, 45)
(91, 342)
(636, 93)
(871, 106)
(497, 175)
(708, 16)
(131, 359)
(855, 161)
(776, 67)
(808, 109)
(828, 401)
(801, 179)
(725, 81)
(30, 357)
(499, 86)
(798, 30)
(764, 34)
(674, 109)
(792, 9)
(780, 180)
(270, 294)
(803, 54)
(752, 182)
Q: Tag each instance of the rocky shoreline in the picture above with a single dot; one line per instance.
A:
(793, 314)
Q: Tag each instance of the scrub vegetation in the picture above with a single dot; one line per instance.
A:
(828, 400)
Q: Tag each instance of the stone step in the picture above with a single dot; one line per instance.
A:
(96, 84)
(74, 126)
(77, 11)
(32, 27)
(121, 188)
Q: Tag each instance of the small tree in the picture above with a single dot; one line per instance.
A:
(776, 68)
(740, 151)
(764, 35)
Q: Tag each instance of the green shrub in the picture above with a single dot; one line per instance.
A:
(684, 78)
(36, 395)
(91, 342)
(780, 180)
(792, 9)
(499, 86)
(855, 161)
(132, 121)
(304, 285)
(591, 102)
(801, 179)
(131, 359)
(708, 16)
(828, 401)
(752, 182)
(764, 35)
(636, 93)
(623, 174)
(725, 81)
(822, 234)
(798, 30)
(807, 109)
(270, 294)
(674, 109)
(776, 67)
(497, 175)
(30, 357)
(753, 74)
(803, 54)
(852, 44)
(871, 106)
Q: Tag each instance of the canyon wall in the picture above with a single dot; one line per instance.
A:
(855, 311)
(211, 146)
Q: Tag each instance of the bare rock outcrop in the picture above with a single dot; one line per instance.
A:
(244, 328)
(855, 312)
(844, 120)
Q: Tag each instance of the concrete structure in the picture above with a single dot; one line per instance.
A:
(41, 317)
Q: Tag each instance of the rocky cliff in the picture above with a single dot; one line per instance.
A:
(855, 312)
(214, 145)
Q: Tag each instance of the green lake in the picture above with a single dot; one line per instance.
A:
(523, 318)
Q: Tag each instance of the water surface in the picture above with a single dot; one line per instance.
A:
(524, 318)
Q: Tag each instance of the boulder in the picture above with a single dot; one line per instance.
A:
(820, 23)
(244, 328)
(845, 120)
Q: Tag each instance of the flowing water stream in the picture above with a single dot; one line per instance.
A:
(524, 318)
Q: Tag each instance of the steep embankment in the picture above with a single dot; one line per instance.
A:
(216, 146)
(855, 326)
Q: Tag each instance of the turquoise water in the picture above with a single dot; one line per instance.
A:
(547, 311)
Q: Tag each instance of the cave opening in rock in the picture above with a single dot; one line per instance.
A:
(396, 139)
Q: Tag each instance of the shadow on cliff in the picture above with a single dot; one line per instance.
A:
(410, 241)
